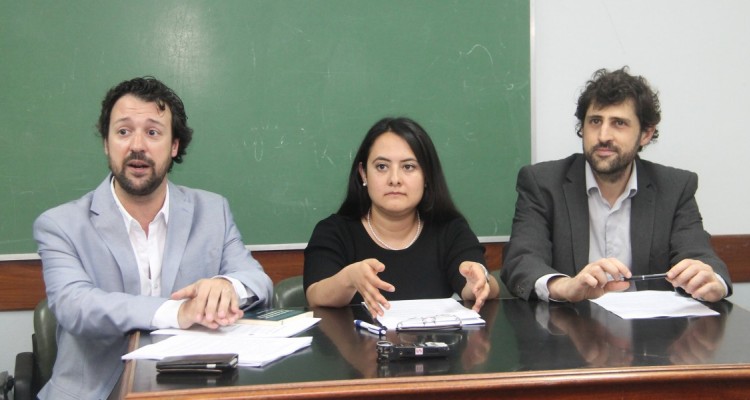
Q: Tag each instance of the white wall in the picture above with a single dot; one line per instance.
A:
(15, 336)
(694, 52)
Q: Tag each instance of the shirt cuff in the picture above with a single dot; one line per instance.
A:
(248, 299)
(726, 288)
(166, 315)
(541, 288)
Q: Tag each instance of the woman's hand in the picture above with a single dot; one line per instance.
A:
(479, 287)
(363, 276)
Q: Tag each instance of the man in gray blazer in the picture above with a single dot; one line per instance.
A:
(584, 223)
(139, 252)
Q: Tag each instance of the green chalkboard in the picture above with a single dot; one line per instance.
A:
(280, 93)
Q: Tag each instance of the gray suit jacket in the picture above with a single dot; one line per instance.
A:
(93, 286)
(550, 231)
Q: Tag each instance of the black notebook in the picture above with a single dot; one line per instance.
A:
(274, 316)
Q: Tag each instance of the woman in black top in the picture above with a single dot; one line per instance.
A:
(398, 234)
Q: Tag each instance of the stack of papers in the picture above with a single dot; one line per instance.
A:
(287, 329)
(253, 352)
(429, 313)
(652, 304)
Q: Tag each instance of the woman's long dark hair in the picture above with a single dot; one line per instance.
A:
(436, 204)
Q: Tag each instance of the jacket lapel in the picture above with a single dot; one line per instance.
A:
(178, 230)
(642, 211)
(108, 222)
(576, 201)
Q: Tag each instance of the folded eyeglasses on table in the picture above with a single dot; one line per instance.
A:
(444, 322)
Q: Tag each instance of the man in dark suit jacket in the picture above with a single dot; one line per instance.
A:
(584, 223)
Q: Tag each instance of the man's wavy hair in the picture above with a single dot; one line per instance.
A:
(611, 88)
(149, 89)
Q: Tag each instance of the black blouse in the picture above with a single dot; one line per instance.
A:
(427, 269)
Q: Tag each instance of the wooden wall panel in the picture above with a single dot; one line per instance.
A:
(735, 251)
(23, 285)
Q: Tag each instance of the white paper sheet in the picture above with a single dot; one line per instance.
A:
(403, 310)
(253, 352)
(652, 304)
(287, 329)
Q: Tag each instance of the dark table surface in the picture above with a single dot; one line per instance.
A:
(519, 336)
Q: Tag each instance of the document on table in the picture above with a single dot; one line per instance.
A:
(435, 313)
(253, 352)
(652, 304)
(288, 329)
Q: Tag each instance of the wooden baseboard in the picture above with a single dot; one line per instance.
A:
(23, 285)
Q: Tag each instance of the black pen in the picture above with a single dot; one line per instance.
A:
(646, 277)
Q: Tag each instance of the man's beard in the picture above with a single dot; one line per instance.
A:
(613, 169)
(147, 187)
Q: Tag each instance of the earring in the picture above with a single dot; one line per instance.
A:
(364, 183)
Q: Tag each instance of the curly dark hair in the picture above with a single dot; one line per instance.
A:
(149, 89)
(610, 88)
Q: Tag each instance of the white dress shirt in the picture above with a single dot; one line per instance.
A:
(149, 253)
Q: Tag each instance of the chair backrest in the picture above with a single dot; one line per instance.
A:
(289, 293)
(496, 274)
(44, 341)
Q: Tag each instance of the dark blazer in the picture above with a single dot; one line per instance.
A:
(550, 231)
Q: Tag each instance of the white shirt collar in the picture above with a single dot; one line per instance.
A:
(631, 189)
(164, 211)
